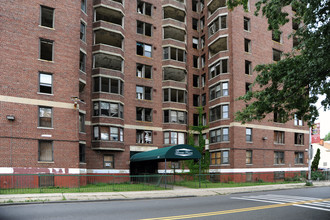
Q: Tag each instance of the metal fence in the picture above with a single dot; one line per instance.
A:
(53, 183)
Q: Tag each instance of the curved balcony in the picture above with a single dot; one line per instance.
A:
(108, 61)
(103, 48)
(110, 3)
(215, 5)
(174, 77)
(108, 72)
(179, 4)
(174, 33)
(108, 145)
(108, 26)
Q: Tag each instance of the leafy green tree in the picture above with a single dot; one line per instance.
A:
(316, 160)
(292, 85)
(327, 137)
(205, 160)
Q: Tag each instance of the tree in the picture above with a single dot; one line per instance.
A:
(292, 85)
(205, 160)
(316, 160)
(327, 137)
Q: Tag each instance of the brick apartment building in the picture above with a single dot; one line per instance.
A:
(86, 84)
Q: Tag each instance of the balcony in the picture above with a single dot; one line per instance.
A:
(174, 34)
(174, 13)
(219, 45)
(102, 13)
(174, 74)
(215, 5)
(108, 61)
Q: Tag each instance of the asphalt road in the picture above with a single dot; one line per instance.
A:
(307, 203)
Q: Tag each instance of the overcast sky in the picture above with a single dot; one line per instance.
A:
(324, 119)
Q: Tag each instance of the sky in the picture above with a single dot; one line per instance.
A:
(324, 119)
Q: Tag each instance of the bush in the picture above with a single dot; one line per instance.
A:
(317, 175)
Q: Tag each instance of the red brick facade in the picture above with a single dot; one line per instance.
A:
(110, 23)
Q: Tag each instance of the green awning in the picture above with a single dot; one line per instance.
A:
(173, 153)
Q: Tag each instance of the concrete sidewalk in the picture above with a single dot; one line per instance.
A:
(177, 192)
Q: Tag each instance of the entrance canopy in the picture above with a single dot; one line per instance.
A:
(173, 153)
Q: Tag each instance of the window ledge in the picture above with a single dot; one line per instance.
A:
(41, 93)
(45, 162)
(249, 142)
(47, 61)
(46, 27)
(283, 144)
(299, 145)
(82, 163)
(83, 72)
(45, 128)
(249, 164)
(280, 164)
(82, 132)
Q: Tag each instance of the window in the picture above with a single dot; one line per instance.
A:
(143, 114)
(219, 112)
(298, 121)
(277, 55)
(82, 155)
(108, 162)
(45, 83)
(45, 117)
(46, 49)
(195, 61)
(174, 95)
(173, 116)
(248, 87)
(278, 117)
(248, 157)
(195, 100)
(82, 62)
(143, 28)
(108, 109)
(247, 24)
(143, 71)
(277, 38)
(219, 135)
(143, 137)
(106, 133)
(299, 157)
(174, 54)
(83, 5)
(203, 60)
(202, 22)
(108, 85)
(47, 17)
(218, 24)
(194, 5)
(143, 49)
(195, 43)
(218, 68)
(173, 137)
(203, 99)
(195, 24)
(45, 151)
(248, 133)
(195, 119)
(203, 41)
(248, 67)
(219, 157)
(219, 90)
(203, 78)
(82, 31)
(144, 8)
(81, 122)
(195, 81)
(278, 157)
(279, 137)
(247, 45)
(299, 138)
(143, 92)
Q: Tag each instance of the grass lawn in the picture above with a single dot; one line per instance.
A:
(99, 187)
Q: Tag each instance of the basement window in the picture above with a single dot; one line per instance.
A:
(108, 161)
(46, 49)
(45, 83)
(47, 17)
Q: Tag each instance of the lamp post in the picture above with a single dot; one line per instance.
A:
(310, 155)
